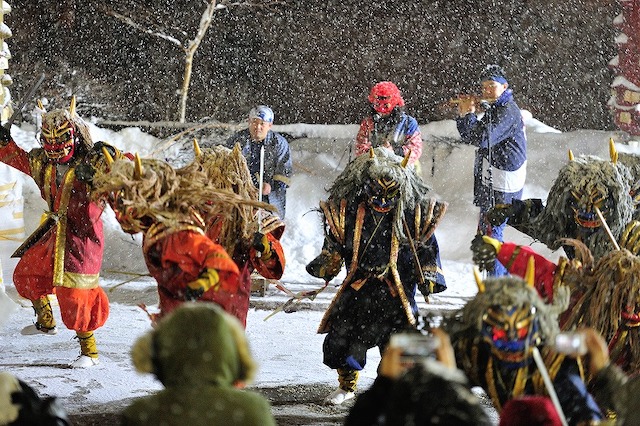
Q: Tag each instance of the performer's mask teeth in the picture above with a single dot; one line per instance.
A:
(59, 142)
(511, 332)
(583, 206)
(383, 194)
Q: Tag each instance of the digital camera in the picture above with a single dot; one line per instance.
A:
(571, 343)
(415, 346)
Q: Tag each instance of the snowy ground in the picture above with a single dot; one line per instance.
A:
(286, 346)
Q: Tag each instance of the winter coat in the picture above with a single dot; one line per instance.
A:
(501, 158)
(198, 353)
(277, 164)
(400, 130)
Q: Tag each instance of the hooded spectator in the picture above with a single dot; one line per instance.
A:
(201, 356)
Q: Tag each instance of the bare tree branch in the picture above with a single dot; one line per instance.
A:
(190, 51)
(189, 47)
(140, 27)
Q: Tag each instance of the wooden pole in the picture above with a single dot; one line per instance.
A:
(606, 228)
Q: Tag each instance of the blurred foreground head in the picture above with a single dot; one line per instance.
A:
(197, 344)
(412, 402)
(530, 411)
(21, 405)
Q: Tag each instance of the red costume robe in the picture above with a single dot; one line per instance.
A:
(179, 255)
(67, 258)
(247, 259)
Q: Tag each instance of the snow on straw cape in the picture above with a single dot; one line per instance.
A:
(163, 192)
(227, 170)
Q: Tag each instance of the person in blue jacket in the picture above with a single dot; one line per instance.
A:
(500, 167)
(277, 167)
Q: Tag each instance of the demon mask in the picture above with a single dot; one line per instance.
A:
(62, 133)
(511, 331)
(384, 97)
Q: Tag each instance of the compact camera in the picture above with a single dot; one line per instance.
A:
(571, 343)
(415, 346)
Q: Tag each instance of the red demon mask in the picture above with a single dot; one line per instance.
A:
(385, 96)
(58, 141)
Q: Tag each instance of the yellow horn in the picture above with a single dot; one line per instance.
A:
(571, 157)
(138, 172)
(72, 107)
(196, 148)
(530, 273)
(372, 154)
(479, 283)
(405, 160)
(613, 152)
(107, 156)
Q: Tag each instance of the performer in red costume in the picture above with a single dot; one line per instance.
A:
(250, 236)
(149, 197)
(67, 248)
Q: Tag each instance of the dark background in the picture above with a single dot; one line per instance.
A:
(314, 61)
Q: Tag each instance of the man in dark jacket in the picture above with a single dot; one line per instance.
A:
(500, 167)
(277, 166)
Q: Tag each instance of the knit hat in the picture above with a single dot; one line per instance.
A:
(262, 112)
(493, 72)
(530, 411)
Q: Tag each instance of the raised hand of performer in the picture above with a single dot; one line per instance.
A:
(485, 250)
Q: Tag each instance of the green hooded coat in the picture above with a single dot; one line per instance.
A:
(198, 352)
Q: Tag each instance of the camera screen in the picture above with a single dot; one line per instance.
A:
(415, 346)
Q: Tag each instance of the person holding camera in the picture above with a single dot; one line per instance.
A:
(388, 125)
(403, 392)
(500, 167)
